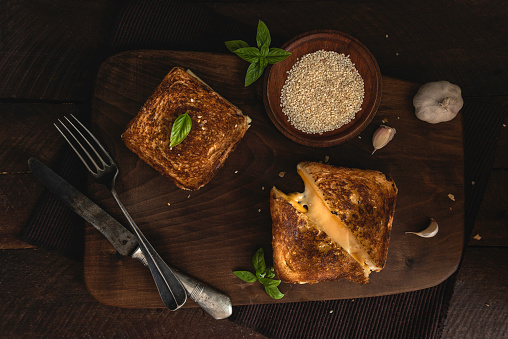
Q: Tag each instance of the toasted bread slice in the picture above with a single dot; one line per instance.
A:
(217, 127)
(339, 227)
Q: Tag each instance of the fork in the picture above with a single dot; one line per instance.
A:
(104, 170)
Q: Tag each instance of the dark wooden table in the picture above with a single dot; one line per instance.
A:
(50, 52)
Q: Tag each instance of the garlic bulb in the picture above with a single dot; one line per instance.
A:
(429, 232)
(382, 136)
(437, 102)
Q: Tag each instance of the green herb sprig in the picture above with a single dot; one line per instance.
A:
(258, 57)
(263, 274)
(181, 128)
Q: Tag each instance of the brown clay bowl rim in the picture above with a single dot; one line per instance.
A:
(340, 135)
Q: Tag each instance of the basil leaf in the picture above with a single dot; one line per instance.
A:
(267, 282)
(273, 292)
(270, 272)
(249, 54)
(264, 50)
(233, 45)
(276, 55)
(258, 261)
(180, 129)
(245, 276)
(253, 73)
(263, 35)
(263, 62)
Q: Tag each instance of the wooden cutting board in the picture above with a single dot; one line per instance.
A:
(211, 232)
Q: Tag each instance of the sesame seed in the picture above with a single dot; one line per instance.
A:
(323, 91)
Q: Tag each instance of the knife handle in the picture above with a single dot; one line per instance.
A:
(213, 302)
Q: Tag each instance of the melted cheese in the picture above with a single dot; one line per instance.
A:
(312, 203)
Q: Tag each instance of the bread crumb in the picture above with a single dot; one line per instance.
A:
(331, 311)
(359, 137)
(451, 196)
(259, 210)
(472, 182)
(477, 237)
(327, 158)
(263, 188)
(169, 204)
(236, 172)
(188, 196)
(282, 174)
(384, 121)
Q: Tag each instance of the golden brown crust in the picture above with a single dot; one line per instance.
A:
(364, 200)
(217, 127)
(303, 254)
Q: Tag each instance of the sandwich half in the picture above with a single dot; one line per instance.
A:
(217, 127)
(338, 228)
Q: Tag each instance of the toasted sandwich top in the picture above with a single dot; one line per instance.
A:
(352, 209)
(363, 200)
(217, 127)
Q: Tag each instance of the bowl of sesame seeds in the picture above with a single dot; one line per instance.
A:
(326, 92)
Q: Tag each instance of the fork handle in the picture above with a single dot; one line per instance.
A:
(170, 288)
(213, 302)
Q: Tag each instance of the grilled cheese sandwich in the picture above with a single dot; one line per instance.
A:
(339, 227)
(217, 127)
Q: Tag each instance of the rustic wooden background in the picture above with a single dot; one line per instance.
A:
(50, 52)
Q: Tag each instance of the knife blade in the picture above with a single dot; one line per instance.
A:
(215, 303)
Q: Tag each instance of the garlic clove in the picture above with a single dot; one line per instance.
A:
(429, 232)
(382, 136)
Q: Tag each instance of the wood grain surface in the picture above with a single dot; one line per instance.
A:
(211, 232)
(25, 130)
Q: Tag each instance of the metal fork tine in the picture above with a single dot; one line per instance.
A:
(74, 148)
(111, 162)
(88, 142)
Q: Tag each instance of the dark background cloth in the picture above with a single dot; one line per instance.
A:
(175, 25)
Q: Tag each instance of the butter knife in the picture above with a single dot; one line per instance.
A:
(215, 303)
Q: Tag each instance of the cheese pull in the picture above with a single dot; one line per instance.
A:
(311, 202)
